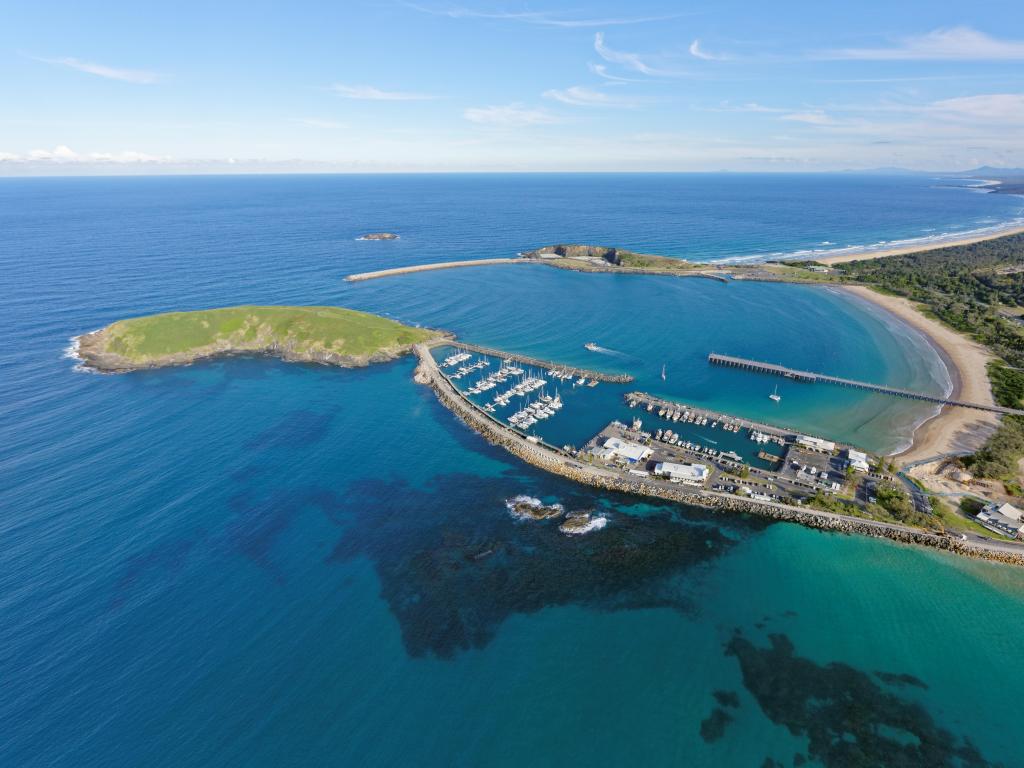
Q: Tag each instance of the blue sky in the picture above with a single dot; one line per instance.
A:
(431, 85)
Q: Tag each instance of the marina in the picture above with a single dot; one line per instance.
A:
(759, 493)
(581, 376)
(509, 389)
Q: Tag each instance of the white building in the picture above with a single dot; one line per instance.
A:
(614, 448)
(1005, 519)
(687, 474)
(815, 443)
(857, 460)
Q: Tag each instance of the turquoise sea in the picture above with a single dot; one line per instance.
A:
(247, 562)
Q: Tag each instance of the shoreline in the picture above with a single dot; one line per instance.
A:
(952, 429)
(866, 253)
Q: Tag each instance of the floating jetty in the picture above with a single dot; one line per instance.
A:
(776, 432)
(813, 378)
(547, 365)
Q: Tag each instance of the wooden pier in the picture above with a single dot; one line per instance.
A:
(547, 365)
(813, 378)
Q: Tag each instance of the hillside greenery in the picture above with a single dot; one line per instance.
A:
(303, 329)
(977, 289)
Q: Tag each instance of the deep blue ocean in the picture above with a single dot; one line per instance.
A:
(251, 563)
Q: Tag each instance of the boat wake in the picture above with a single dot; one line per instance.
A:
(610, 352)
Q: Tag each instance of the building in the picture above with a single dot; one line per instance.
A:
(815, 443)
(1004, 519)
(858, 460)
(688, 474)
(614, 448)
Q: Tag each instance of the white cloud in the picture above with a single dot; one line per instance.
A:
(64, 154)
(996, 107)
(316, 122)
(700, 53)
(956, 43)
(816, 117)
(510, 116)
(629, 60)
(540, 18)
(580, 96)
(138, 76)
(370, 93)
(602, 71)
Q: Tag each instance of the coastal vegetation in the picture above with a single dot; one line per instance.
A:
(312, 334)
(977, 289)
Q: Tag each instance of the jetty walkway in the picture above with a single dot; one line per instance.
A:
(614, 378)
(813, 378)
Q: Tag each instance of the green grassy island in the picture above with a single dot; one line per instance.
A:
(329, 335)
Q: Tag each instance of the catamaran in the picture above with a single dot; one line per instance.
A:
(775, 395)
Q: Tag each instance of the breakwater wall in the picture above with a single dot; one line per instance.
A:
(360, 276)
(615, 378)
(556, 462)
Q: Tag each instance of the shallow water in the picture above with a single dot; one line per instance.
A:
(247, 562)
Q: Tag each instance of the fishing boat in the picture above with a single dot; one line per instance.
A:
(592, 346)
(775, 395)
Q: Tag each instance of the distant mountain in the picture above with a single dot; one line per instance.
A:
(988, 172)
(984, 172)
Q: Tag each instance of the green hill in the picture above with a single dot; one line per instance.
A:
(313, 334)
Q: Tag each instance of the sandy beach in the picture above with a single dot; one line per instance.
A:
(918, 247)
(953, 429)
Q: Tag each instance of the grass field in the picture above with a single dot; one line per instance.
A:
(303, 329)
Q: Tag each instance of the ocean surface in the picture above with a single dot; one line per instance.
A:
(251, 563)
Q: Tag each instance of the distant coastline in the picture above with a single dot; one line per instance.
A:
(919, 246)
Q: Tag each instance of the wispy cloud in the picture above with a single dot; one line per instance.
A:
(602, 71)
(815, 117)
(632, 61)
(700, 53)
(138, 76)
(580, 96)
(510, 116)
(370, 93)
(64, 154)
(316, 122)
(956, 43)
(540, 18)
(990, 108)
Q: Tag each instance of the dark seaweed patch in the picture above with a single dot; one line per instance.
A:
(712, 728)
(903, 678)
(453, 564)
(848, 719)
(727, 698)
